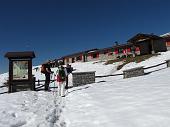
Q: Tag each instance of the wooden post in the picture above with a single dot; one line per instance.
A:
(153, 50)
(38, 82)
(33, 83)
(168, 63)
(10, 77)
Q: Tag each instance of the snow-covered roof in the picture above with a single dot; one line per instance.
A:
(165, 35)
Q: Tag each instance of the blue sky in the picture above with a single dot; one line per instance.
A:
(53, 28)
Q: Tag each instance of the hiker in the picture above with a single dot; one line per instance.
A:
(45, 69)
(69, 71)
(61, 80)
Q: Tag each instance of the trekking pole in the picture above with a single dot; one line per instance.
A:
(66, 92)
(53, 88)
(51, 76)
(53, 84)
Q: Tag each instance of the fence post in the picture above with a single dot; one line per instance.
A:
(33, 83)
(38, 82)
(168, 63)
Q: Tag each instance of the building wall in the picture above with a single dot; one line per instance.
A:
(107, 56)
(145, 47)
(168, 48)
(101, 57)
(168, 45)
(111, 55)
(73, 59)
(67, 60)
(159, 45)
(138, 52)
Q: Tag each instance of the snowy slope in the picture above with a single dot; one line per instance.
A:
(3, 78)
(137, 102)
(110, 102)
(155, 60)
(99, 67)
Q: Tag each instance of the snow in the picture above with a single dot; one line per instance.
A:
(166, 34)
(98, 67)
(155, 60)
(3, 78)
(136, 102)
(142, 101)
(30, 109)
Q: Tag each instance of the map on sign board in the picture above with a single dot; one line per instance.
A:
(20, 70)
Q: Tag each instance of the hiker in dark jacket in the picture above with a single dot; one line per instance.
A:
(45, 69)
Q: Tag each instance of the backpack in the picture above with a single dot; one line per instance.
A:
(43, 69)
(61, 75)
(69, 70)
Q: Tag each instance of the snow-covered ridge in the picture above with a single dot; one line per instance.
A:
(165, 35)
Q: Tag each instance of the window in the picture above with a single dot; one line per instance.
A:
(116, 51)
(137, 49)
(128, 50)
(72, 60)
(124, 51)
(110, 53)
(67, 60)
(105, 52)
(89, 54)
(78, 58)
(168, 43)
(95, 55)
(120, 50)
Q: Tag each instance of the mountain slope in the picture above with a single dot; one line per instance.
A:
(110, 102)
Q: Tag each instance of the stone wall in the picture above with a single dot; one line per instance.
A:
(134, 72)
(83, 78)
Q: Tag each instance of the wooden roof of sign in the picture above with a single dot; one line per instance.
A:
(142, 37)
(26, 54)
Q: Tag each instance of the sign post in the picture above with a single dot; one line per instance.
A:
(20, 71)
